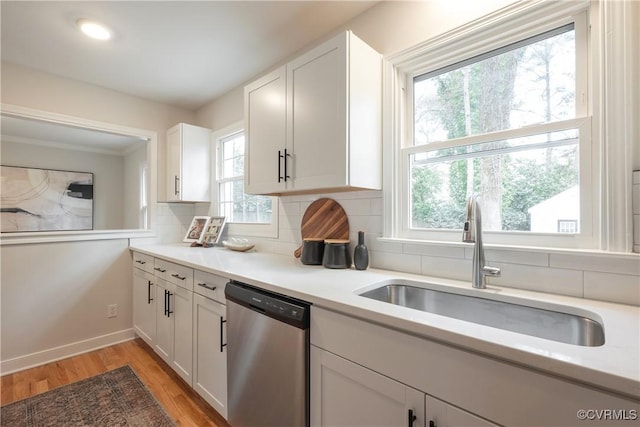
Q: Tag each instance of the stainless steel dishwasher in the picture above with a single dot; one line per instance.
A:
(267, 358)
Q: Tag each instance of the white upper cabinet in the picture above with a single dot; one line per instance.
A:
(315, 124)
(188, 163)
(265, 129)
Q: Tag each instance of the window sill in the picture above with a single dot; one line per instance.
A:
(514, 248)
(8, 239)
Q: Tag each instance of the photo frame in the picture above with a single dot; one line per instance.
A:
(37, 199)
(213, 231)
(196, 229)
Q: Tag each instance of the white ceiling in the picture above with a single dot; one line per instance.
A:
(182, 53)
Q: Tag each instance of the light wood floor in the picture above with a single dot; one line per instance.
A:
(176, 397)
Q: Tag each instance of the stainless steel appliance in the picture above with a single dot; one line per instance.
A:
(267, 358)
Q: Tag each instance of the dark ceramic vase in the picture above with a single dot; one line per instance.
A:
(361, 254)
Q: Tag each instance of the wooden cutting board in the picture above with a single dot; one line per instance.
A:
(324, 219)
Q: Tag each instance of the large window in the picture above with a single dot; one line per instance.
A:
(245, 214)
(508, 121)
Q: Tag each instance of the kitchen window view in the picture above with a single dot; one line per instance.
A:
(233, 203)
(503, 124)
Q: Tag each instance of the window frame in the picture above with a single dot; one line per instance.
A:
(237, 228)
(495, 31)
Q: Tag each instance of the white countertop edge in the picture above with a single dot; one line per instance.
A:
(613, 366)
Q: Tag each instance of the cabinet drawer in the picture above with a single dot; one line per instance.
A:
(210, 285)
(161, 268)
(180, 275)
(143, 262)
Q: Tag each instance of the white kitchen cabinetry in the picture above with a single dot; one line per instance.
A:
(174, 319)
(315, 124)
(440, 414)
(144, 309)
(188, 163)
(462, 387)
(209, 340)
(346, 394)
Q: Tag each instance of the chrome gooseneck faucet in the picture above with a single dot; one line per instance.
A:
(472, 233)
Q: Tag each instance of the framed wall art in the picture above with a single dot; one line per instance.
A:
(34, 199)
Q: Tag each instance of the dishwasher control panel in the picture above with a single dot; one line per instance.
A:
(280, 307)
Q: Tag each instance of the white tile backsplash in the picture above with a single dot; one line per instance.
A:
(622, 263)
(551, 280)
(601, 276)
(620, 288)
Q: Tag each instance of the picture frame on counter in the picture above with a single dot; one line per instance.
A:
(213, 231)
(196, 229)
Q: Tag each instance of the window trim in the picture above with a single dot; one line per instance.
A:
(508, 25)
(235, 228)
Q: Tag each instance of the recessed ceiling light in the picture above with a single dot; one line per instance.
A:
(94, 29)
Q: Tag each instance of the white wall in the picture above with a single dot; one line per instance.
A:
(55, 295)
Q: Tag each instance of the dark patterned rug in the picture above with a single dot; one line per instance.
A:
(115, 398)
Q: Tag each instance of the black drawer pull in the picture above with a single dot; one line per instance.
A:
(140, 261)
(161, 270)
(177, 276)
(210, 287)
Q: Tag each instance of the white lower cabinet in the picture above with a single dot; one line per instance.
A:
(209, 352)
(144, 308)
(441, 414)
(346, 394)
(185, 328)
(174, 327)
(460, 387)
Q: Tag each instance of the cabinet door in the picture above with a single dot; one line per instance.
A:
(317, 115)
(265, 127)
(174, 150)
(210, 353)
(164, 320)
(188, 163)
(181, 303)
(442, 414)
(195, 163)
(144, 314)
(346, 394)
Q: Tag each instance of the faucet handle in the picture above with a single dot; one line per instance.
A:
(491, 271)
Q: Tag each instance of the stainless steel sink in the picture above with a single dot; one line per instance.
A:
(537, 322)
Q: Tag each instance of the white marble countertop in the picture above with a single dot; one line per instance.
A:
(614, 366)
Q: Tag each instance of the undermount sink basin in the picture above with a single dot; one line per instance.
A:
(537, 322)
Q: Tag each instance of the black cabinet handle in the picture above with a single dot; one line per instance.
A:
(165, 302)
(204, 285)
(411, 418)
(169, 295)
(176, 180)
(286, 176)
(432, 424)
(149, 299)
(177, 276)
(222, 322)
(161, 270)
(141, 262)
(280, 156)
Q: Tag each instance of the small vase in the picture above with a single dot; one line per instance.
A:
(361, 254)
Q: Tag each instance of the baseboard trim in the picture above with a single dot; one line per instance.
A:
(51, 355)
